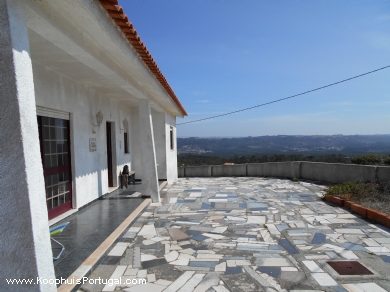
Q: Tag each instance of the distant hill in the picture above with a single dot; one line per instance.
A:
(286, 144)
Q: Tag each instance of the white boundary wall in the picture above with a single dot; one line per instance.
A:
(327, 172)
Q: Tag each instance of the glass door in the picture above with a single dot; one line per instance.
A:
(55, 151)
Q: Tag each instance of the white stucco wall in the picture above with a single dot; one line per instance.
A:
(135, 143)
(56, 91)
(166, 158)
(170, 121)
(102, 72)
(24, 232)
(79, 33)
(160, 137)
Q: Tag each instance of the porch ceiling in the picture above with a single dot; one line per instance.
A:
(45, 53)
(80, 40)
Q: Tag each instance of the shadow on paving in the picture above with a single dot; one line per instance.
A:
(89, 227)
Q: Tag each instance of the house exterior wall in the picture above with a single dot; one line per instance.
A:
(89, 169)
(160, 137)
(171, 154)
(166, 158)
(24, 232)
(150, 184)
(71, 57)
(135, 143)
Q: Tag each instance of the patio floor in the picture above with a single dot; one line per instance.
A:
(247, 234)
(89, 227)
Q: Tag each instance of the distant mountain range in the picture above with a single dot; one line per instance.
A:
(338, 144)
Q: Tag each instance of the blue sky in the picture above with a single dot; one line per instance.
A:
(221, 56)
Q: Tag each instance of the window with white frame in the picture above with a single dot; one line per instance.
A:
(171, 138)
(126, 136)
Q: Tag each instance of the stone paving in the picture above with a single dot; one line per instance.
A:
(247, 234)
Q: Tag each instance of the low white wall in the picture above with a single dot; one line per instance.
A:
(180, 171)
(277, 169)
(327, 172)
(336, 172)
(383, 173)
(229, 170)
(195, 171)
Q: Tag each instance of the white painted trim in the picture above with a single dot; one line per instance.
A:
(52, 113)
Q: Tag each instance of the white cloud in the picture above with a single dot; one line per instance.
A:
(380, 40)
(199, 93)
(351, 103)
(339, 103)
(384, 17)
(320, 117)
(203, 100)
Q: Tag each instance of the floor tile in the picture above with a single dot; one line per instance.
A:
(273, 271)
(253, 231)
(233, 270)
(312, 266)
(324, 279)
(365, 287)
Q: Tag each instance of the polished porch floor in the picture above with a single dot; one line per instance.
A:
(89, 227)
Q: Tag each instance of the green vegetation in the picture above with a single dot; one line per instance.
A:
(371, 159)
(366, 159)
(349, 189)
(366, 194)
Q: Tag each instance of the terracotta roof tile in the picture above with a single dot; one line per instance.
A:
(121, 19)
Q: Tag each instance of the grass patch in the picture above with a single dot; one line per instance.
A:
(369, 195)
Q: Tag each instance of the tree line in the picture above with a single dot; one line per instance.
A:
(365, 159)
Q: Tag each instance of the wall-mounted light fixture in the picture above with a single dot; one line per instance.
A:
(99, 120)
(125, 124)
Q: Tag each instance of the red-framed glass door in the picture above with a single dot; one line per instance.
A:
(109, 154)
(55, 151)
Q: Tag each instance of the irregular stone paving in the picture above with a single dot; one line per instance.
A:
(246, 234)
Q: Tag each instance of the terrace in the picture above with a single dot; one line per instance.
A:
(247, 234)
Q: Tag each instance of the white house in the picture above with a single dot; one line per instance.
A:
(81, 96)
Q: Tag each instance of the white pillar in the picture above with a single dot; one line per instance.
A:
(148, 153)
(24, 232)
(159, 132)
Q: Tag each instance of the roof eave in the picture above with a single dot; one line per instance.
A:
(116, 13)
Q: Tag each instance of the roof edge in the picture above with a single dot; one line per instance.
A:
(116, 13)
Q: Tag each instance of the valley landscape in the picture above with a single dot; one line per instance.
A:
(361, 149)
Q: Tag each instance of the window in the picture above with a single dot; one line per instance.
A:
(55, 152)
(126, 144)
(171, 137)
(126, 136)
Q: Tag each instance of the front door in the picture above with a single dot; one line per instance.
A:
(109, 154)
(55, 150)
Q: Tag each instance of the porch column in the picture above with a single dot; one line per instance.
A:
(148, 152)
(160, 142)
(24, 232)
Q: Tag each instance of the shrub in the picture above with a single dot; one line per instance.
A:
(354, 191)
(371, 159)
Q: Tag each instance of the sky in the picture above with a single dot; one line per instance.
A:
(224, 55)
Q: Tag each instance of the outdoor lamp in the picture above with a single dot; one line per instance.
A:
(125, 124)
(99, 120)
